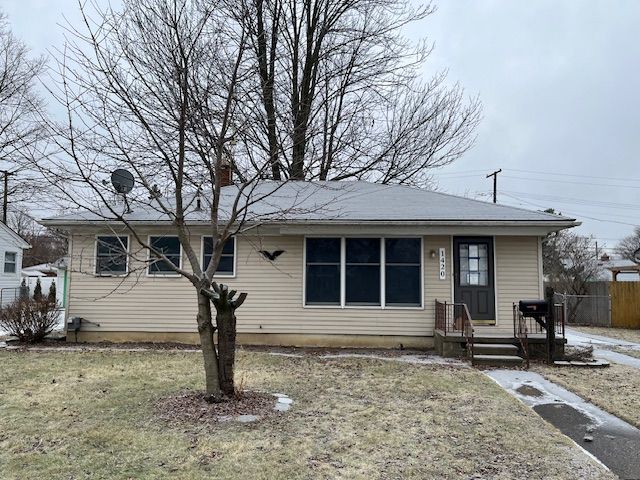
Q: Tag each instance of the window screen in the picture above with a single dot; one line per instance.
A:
(362, 269)
(170, 247)
(474, 264)
(403, 272)
(111, 255)
(323, 271)
(9, 262)
(225, 267)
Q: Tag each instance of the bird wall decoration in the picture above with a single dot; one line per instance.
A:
(271, 255)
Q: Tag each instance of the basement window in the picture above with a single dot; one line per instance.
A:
(170, 247)
(111, 255)
(226, 266)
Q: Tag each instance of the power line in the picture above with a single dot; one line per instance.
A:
(577, 201)
(576, 213)
(573, 183)
(574, 175)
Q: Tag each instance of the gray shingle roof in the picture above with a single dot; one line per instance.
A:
(346, 202)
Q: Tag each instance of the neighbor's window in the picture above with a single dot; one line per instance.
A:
(225, 267)
(9, 262)
(403, 272)
(474, 267)
(362, 271)
(169, 246)
(323, 271)
(111, 255)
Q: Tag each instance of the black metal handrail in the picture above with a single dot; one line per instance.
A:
(454, 318)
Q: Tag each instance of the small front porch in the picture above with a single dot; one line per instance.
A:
(456, 335)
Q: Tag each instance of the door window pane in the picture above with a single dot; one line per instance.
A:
(403, 281)
(170, 248)
(111, 255)
(362, 271)
(322, 271)
(225, 266)
(474, 264)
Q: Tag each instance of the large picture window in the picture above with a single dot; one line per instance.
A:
(226, 264)
(169, 246)
(323, 271)
(355, 272)
(403, 272)
(362, 271)
(111, 254)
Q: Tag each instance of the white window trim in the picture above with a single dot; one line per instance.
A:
(15, 261)
(343, 285)
(95, 256)
(235, 257)
(163, 274)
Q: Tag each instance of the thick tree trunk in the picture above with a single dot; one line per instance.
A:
(223, 299)
(226, 322)
(206, 331)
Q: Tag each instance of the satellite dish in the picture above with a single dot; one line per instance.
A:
(122, 180)
(636, 256)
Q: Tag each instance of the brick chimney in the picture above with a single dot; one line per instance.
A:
(226, 175)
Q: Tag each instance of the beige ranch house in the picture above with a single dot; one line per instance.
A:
(323, 263)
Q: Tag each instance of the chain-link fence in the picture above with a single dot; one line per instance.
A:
(593, 310)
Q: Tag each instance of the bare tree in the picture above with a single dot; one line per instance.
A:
(155, 87)
(570, 264)
(629, 245)
(20, 112)
(342, 95)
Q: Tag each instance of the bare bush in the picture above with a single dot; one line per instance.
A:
(29, 320)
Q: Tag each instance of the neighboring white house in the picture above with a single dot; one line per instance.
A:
(11, 248)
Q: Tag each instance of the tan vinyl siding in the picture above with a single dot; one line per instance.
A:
(145, 303)
(274, 305)
(517, 274)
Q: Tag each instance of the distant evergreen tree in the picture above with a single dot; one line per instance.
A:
(52, 292)
(37, 291)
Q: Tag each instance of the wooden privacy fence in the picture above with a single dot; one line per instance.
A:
(625, 304)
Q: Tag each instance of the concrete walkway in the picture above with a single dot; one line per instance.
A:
(609, 439)
(602, 345)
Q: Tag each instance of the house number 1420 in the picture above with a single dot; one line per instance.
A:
(443, 264)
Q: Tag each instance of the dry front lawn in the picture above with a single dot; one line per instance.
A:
(627, 334)
(92, 415)
(615, 389)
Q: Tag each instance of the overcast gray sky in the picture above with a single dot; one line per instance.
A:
(558, 80)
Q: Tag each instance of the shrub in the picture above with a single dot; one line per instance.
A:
(37, 291)
(51, 297)
(28, 319)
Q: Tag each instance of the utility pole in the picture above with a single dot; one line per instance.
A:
(495, 184)
(5, 195)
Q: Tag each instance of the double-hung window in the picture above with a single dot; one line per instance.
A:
(170, 247)
(362, 271)
(227, 263)
(111, 255)
(367, 272)
(403, 272)
(323, 271)
(9, 262)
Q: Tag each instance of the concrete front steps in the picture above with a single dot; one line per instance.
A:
(498, 360)
(498, 354)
